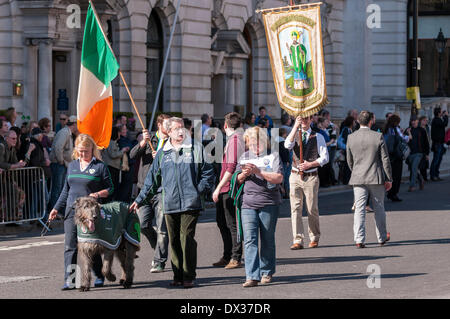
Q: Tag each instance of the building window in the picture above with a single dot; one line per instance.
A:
(155, 48)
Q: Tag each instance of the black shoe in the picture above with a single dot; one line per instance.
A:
(394, 198)
(434, 179)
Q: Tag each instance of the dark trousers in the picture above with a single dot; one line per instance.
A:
(126, 186)
(226, 221)
(438, 153)
(183, 247)
(397, 168)
(114, 172)
(71, 253)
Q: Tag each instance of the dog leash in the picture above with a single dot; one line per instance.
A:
(46, 228)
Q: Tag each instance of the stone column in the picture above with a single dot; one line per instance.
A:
(45, 79)
(231, 91)
(31, 70)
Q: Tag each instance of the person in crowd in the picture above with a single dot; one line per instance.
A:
(3, 131)
(438, 125)
(420, 149)
(62, 122)
(87, 176)
(60, 157)
(225, 209)
(260, 206)
(425, 163)
(368, 159)
(304, 180)
(37, 156)
(188, 126)
(354, 114)
(393, 133)
(183, 175)
(333, 133)
(263, 115)
(46, 127)
(286, 122)
(112, 157)
(11, 117)
(18, 143)
(126, 185)
(249, 120)
(206, 124)
(264, 124)
(286, 160)
(325, 171)
(315, 123)
(8, 156)
(388, 115)
(346, 129)
(158, 239)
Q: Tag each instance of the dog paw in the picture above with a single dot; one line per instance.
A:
(127, 284)
(83, 289)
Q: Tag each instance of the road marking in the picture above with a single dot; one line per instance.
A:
(8, 280)
(31, 245)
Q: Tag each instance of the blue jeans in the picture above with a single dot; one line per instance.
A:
(414, 161)
(58, 178)
(438, 153)
(259, 223)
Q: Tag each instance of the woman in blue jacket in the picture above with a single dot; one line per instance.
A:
(185, 177)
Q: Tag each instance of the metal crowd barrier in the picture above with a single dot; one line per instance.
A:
(22, 195)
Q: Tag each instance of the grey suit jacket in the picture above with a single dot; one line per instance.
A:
(368, 158)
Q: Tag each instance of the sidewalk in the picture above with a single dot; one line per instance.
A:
(210, 207)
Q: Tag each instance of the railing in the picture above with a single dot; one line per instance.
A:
(23, 195)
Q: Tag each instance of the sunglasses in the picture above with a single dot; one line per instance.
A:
(63, 119)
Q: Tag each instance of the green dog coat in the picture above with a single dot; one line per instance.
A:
(114, 221)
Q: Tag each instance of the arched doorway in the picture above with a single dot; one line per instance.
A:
(155, 48)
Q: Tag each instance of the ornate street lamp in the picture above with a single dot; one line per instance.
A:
(441, 43)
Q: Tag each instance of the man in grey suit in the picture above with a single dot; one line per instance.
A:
(368, 159)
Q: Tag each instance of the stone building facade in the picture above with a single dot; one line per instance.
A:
(218, 62)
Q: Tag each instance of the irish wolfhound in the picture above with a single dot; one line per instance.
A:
(105, 229)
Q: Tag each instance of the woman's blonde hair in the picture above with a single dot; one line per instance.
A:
(259, 134)
(86, 141)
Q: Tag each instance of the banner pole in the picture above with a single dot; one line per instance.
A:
(166, 58)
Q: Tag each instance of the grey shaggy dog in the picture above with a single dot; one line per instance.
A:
(87, 210)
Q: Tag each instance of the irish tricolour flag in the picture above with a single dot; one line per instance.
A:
(98, 68)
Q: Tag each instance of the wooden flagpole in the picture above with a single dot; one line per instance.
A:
(134, 105)
(120, 72)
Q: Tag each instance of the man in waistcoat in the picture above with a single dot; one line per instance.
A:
(304, 180)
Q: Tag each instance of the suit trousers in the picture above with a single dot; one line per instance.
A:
(307, 188)
(361, 193)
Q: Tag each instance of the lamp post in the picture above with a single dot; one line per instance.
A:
(440, 42)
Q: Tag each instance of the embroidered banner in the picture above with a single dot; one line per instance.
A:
(294, 38)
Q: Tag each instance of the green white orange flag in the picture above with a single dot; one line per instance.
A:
(98, 68)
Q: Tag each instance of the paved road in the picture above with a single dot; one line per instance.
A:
(415, 264)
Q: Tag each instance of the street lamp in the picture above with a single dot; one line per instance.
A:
(441, 43)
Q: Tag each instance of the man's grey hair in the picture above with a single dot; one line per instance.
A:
(169, 123)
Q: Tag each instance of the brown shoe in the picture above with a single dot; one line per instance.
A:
(266, 279)
(233, 264)
(188, 284)
(411, 189)
(314, 244)
(422, 185)
(296, 246)
(221, 263)
(388, 238)
(360, 245)
(250, 283)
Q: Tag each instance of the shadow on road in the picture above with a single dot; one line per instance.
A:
(328, 259)
(420, 242)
